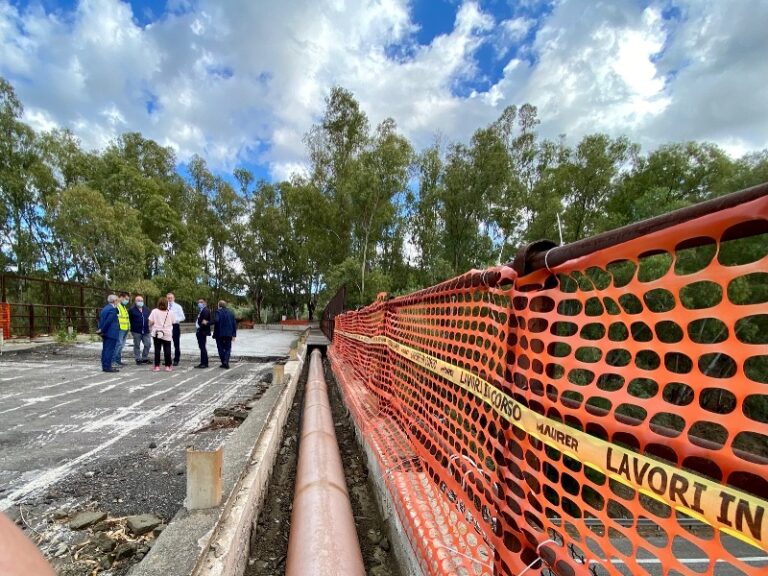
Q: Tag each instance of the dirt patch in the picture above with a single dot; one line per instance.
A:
(269, 541)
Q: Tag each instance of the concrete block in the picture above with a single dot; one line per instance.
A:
(204, 479)
(278, 373)
(293, 355)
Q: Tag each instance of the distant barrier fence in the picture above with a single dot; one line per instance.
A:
(294, 322)
(5, 320)
(46, 307)
(41, 306)
(334, 308)
(596, 415)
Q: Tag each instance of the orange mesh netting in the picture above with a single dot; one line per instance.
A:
(5, 319)
(607, 416)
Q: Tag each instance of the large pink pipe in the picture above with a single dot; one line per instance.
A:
(323, 540)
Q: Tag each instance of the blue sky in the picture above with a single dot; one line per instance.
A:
(240, 82)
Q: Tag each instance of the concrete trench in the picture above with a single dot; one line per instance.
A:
(248, 535)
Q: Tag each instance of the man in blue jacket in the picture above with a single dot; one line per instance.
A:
(139, 316)
(224, 332)
(109, 330)
(203, 325)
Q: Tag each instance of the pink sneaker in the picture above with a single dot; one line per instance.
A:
(156, 369)
(167, 368)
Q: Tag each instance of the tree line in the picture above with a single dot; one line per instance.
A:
(371, 212)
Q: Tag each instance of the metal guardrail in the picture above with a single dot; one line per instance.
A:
(45, 307)
(334, 308)
(547, 254)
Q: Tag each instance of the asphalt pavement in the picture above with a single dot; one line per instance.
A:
(751, 561)
(61, 417)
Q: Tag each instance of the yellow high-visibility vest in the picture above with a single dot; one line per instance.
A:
(122, 316)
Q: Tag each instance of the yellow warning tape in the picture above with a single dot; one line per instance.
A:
(732, 511)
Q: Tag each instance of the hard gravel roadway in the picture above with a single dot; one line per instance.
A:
(73, 436)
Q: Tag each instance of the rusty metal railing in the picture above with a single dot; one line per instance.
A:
(547, 254)
(334, 308)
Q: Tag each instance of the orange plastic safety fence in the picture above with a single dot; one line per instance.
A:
(608, 416)
(5, 319)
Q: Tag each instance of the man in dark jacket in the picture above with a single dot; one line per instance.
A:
(109, 330)
(203, 324)
(139, 317)
(224, 332)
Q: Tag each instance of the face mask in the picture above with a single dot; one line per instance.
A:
(125, 302)
(140, 304)
(200, 306)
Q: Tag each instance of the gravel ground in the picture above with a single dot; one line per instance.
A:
(269, 541)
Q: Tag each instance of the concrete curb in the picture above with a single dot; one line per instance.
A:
(216, 541)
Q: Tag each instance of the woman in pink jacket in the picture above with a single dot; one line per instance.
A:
(161, 321)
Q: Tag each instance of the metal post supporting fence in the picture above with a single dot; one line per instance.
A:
(83, 325)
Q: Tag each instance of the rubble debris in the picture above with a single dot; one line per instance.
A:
(142, 524)
(125, 550)
(230, 413)
(85, 519)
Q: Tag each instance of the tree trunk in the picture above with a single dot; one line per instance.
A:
(258, 300)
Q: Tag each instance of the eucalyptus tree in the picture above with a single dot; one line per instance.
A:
(22, 175)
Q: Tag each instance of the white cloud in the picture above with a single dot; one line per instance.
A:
(243, 81)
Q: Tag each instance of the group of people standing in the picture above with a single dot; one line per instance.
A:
(161, 328)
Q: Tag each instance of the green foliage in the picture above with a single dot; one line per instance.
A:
(371, 214)
(63, 335)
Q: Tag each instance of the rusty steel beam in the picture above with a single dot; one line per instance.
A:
(532, 258)
(323, 539)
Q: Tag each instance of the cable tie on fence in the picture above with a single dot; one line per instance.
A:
(464, 473)
(546, 264)
(413, 459)
(467, 556)
(537, 560)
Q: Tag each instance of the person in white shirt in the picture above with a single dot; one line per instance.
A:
(178, 314)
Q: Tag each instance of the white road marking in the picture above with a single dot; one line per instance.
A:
(746, 559)
(5, 398)
(25, 365)
(12, 378)
(59, 405)
(90, 374)
(39, 399)
(205, 408)
(53, 475)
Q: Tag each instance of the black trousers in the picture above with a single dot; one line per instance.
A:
(176, 350)
(166, 345)
(224, 346)
(201, 342)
